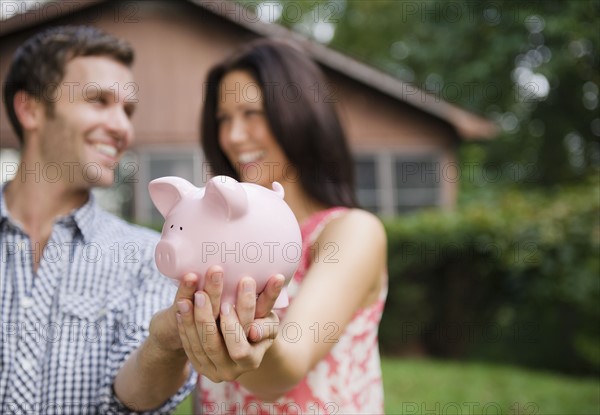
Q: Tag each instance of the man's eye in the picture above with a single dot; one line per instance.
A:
(97, 100)
(129, 111)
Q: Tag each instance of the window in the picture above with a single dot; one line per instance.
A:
(9, 162)
(118, 199)
(389, 184)
(366, 183)
(185, 163)
(417, 183)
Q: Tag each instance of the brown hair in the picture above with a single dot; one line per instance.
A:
(302, 119)
(39, 64)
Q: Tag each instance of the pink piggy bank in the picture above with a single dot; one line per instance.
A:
(245, 228)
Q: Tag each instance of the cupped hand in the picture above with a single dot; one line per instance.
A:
(224, 344)
(163, 326)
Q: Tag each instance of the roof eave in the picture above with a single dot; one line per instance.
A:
(468, 126)
(42, 13)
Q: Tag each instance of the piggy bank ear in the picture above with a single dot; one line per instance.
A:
(230, 193)
(278, 189)
(166, 192)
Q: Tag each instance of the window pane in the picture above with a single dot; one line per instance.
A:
(10, 163)
(366, 183)
(181, 166)
(417, 173)
(417, 182)
(173, 164)
(118, 199)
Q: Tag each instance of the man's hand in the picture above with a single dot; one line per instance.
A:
(160, 366)
(163, 327)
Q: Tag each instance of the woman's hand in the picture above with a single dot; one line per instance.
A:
(224, 342)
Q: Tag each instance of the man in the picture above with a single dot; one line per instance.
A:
(79, 287)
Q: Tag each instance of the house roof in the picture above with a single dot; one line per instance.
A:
(468, 125)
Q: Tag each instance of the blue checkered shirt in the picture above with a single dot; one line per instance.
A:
(67, 329)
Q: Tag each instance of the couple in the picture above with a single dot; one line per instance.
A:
(102, 334)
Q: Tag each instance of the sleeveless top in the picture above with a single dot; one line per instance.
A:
(346, 381)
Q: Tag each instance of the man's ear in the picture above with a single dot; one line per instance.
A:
(29, 110)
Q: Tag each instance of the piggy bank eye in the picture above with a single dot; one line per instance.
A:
(180, 228)
(171, 226)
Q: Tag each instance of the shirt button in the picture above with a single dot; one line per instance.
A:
(101, 313)
(27, 302)
(27, 365)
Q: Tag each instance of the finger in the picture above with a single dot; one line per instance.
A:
(267, 298)
(187, 287)
(187, 333)
(187, 322)
(186, 343)
(261, 347)
(255, 332)
(264, 328)
(234, 337)
(214, 288)
(208, 333)
(246, 303)
(185, 292)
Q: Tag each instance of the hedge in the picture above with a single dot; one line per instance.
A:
(513, 278)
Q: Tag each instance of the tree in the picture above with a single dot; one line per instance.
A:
(532, 66)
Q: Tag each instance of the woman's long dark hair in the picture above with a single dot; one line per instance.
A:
(302, 120)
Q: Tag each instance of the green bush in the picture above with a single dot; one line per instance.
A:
(513, 278)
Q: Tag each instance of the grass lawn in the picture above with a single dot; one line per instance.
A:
(448, 388)
(431, 387)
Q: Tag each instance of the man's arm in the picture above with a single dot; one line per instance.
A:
(159, 368)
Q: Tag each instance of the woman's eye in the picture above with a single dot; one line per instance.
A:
(222, 118)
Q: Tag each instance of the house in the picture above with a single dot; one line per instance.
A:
(403, 139)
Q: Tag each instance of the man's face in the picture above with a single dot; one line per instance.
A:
(89, 127)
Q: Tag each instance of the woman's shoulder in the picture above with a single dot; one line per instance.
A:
(355, 224)
(355, 217)
(361, 215)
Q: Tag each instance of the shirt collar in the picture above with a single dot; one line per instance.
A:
(85, 218)
(3, 210)
(82, 218)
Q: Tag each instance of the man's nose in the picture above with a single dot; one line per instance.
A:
(120, 126)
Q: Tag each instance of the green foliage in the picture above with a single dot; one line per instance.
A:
(532, 66)
(473, 53)
(512, 277)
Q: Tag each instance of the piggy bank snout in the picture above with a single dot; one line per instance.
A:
(166, 258)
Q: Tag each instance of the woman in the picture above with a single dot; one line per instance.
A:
(267, 118)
